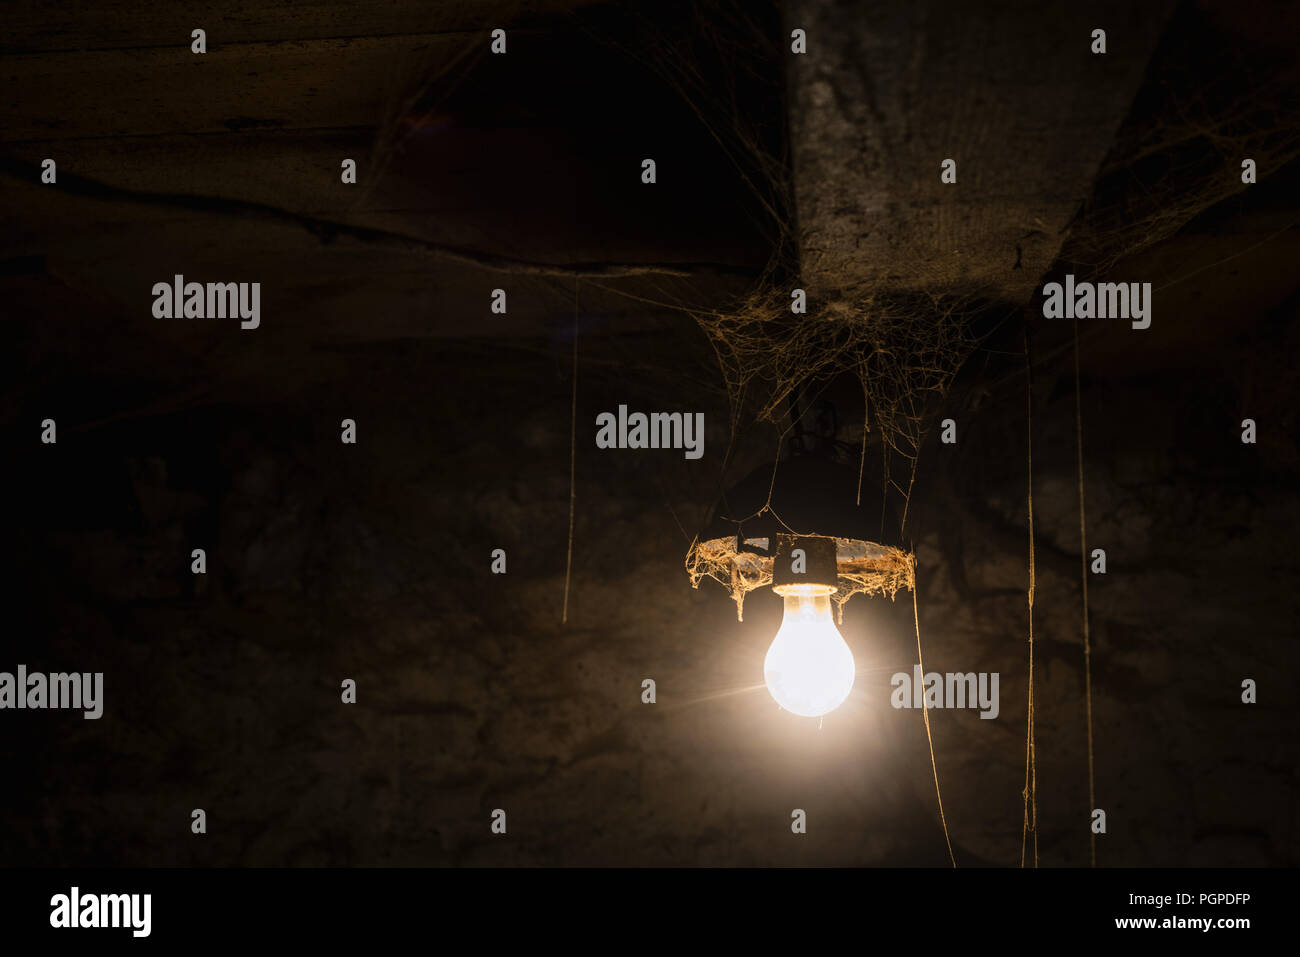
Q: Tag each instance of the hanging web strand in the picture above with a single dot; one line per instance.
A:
(866, 427)
(573, 453)
(1083, 567)
(925, 713)
(1030, 792)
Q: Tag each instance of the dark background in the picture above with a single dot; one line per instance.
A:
(371, 561)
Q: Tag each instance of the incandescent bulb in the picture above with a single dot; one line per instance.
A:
(809, 668)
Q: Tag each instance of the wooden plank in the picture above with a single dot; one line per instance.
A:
(32, 27)
(518, 192)
(270, 86)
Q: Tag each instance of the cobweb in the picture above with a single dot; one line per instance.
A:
(863, 568)
(1180, 151)
(903, 349)
(904, 352)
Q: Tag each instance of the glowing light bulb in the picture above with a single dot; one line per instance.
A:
(809, 668)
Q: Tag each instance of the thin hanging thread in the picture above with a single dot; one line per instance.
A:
(925, 712)
(573, 453)
(866, 427)
(1030, 792)
(1083, 565)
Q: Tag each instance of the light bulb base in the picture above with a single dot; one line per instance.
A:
(805, 565)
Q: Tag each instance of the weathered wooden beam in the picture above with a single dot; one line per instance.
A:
(36, 27)
(1011, 91)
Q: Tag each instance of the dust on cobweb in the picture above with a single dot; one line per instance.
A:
(863, 568)
(904, 352)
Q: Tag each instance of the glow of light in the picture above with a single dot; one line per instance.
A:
(809, 668)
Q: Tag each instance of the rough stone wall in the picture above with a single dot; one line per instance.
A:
(371, 562)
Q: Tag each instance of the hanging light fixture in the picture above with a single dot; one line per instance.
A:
(798, 528)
